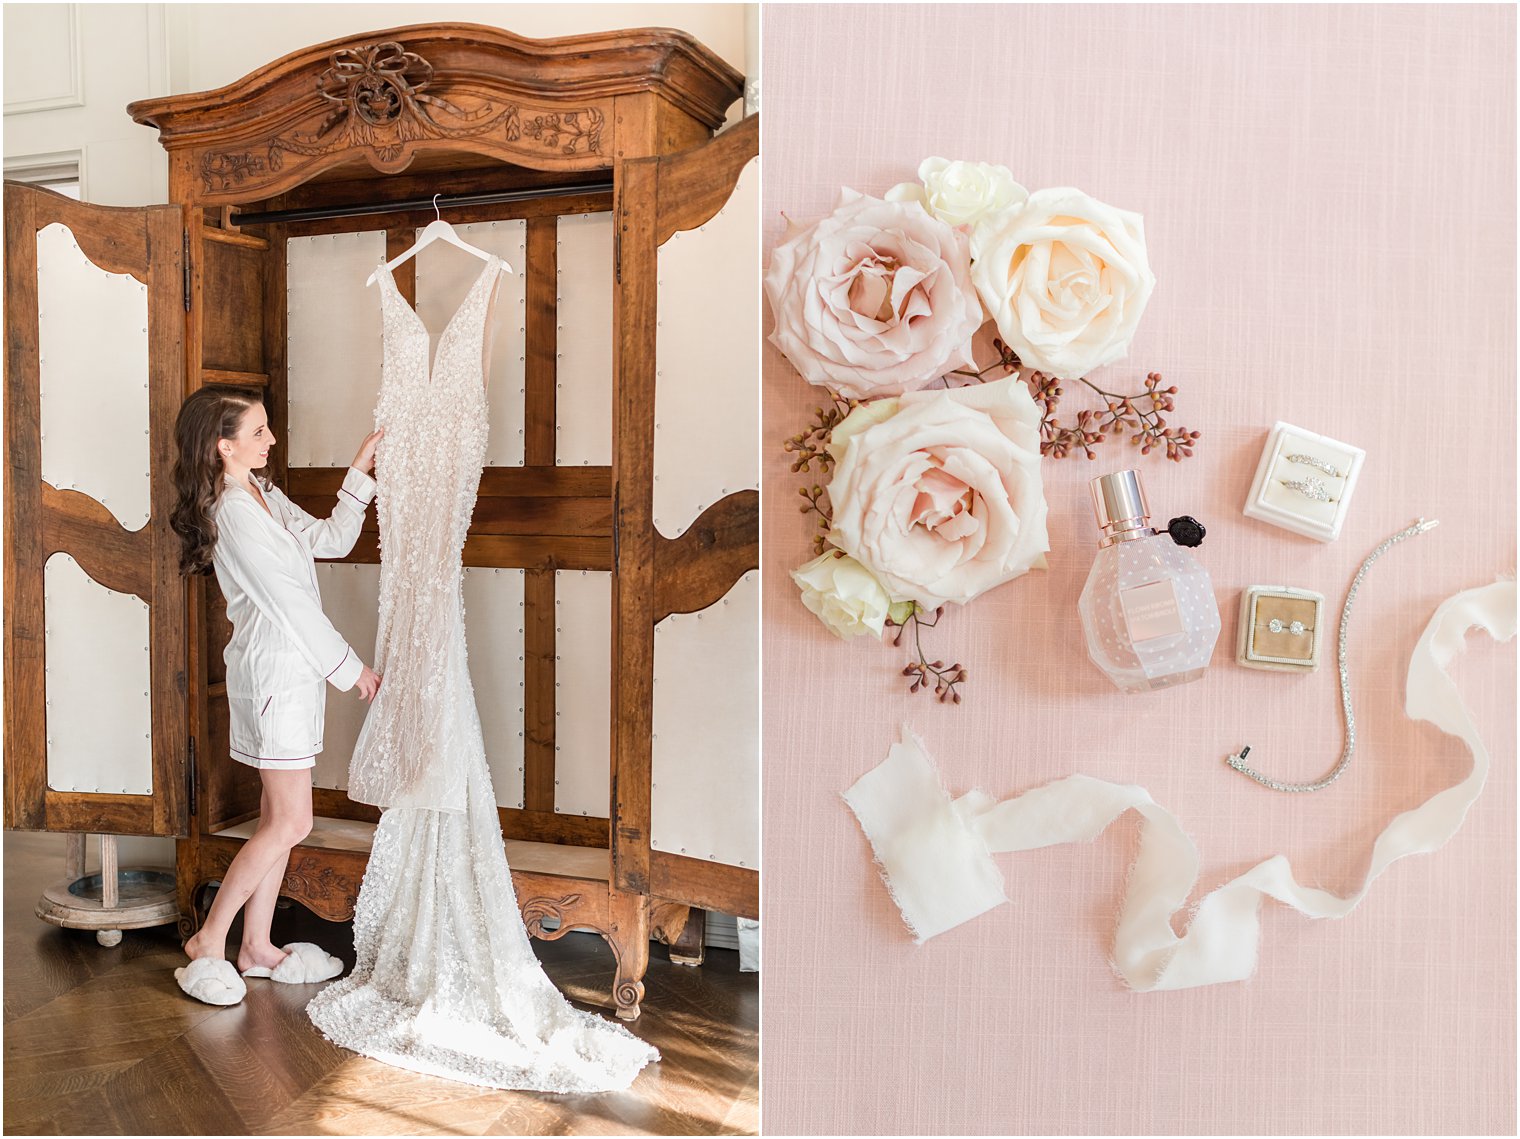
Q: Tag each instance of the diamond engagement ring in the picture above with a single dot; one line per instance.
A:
(1310, 487)
(1318, 464)
(1296, 628)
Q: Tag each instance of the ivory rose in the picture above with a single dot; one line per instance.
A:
(1065, 278)
(842, 594)
(938, 493)
(960, 193)
(875, 299)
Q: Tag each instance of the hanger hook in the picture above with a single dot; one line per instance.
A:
(436, 211)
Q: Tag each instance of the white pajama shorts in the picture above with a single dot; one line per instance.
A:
(278, 732)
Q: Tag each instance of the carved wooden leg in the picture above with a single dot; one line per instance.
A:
(187, 887)
(630, 945)
(193, 915)
(691, 947)
(683, 928)
(667, 920)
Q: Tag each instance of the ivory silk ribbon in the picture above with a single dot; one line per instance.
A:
(935, 854)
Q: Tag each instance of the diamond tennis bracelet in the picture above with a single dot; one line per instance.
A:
(1238, 761)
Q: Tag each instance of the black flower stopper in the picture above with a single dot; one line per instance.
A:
(1186, 531)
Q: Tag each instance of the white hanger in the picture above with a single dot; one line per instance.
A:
(436, 229)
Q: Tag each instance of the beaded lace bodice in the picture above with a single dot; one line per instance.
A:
(445, 980)
(428, 470)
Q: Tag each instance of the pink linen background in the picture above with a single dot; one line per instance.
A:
(1329, 203)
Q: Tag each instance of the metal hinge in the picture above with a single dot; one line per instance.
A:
(192, 776)
(615, 525)
(617, 238)
(187, 269)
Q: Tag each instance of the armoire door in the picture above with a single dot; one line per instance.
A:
(96, 735)
(685, 546)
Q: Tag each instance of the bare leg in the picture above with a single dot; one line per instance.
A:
(286, 820)
(258, 915)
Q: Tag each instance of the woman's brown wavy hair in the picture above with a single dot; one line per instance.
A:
(214, 412)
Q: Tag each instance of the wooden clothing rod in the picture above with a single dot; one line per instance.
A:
(359, 209)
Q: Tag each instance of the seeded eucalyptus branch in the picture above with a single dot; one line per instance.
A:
(1139, 415)
(945, 677)
(1007, 362)
(819, 505)
(811, 446)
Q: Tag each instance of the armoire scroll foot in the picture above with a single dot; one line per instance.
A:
(342, 139)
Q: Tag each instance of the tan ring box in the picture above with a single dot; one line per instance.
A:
(1259, 647)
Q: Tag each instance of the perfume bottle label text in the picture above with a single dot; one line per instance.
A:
(1151, 611)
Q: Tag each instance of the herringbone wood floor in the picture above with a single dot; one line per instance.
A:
(102, 1042)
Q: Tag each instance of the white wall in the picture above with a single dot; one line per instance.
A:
(120, 53)
(216, 44)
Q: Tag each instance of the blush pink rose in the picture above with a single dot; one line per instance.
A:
(876, 299)
(939, 494)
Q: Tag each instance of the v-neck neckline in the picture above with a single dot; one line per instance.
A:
(491, 266)
(258, 500)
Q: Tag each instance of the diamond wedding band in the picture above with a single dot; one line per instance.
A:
(1317, 463)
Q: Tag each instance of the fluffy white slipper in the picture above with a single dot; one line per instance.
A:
(306, 965)
(212, 981)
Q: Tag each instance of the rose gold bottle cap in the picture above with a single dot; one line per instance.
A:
(1120, 506)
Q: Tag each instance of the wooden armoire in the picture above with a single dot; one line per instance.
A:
(360, 134)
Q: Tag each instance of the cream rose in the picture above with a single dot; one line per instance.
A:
(875, 299)
(938, 494)
(960, 193)
(1065, 278)
(842, 594)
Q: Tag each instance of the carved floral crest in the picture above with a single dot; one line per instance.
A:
(379, 101)
(375, 82)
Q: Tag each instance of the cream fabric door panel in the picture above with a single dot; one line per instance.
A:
(493, 629)
(98, 711)
(707, 385)
(351, 600)
(92, 339)
(444, 276)
(334, 351)
(582, 692)
(705, 769)
(584, 365)
(493, 605)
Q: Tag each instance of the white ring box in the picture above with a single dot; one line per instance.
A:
(1273, 500)
(1259, 645)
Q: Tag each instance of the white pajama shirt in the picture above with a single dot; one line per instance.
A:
(284, 651)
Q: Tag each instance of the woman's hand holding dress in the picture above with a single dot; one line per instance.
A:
(364, 461)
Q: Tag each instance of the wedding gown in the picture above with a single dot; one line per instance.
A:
(445, 980)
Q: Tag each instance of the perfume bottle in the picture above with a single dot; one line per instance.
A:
(1148, 607)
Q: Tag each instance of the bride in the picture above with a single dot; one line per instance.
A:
(445, 981)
